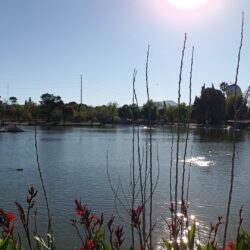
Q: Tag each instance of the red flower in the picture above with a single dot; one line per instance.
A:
(90, 244)
(173, 227)
(93, 216)
(11, 217)
(230, 245)
(79, 248)
(79, 212)
(139, 210)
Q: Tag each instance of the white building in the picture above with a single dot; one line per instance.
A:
(230, 89)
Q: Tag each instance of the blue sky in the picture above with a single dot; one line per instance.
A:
(45, 45)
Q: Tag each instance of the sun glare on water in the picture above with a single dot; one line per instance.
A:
(187, 4)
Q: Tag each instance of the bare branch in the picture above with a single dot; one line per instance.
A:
(234, 139)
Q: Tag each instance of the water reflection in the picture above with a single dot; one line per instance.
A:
(200, 161)
(225, 135)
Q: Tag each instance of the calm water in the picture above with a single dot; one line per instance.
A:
(73, 161)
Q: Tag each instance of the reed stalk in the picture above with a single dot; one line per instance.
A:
(230, 194)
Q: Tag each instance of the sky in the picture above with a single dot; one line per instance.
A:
(45, 45)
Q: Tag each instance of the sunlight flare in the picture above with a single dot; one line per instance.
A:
(187, 4)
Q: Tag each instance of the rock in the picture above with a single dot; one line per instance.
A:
(11, 129)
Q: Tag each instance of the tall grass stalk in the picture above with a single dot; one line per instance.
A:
(187, 130)
(51, 243)
(170, 178)
(178, 129)
(133, 162)
(230, 194)
(150, 157)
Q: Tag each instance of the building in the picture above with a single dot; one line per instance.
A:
(230, 89)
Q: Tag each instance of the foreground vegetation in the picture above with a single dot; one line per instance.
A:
(99, 235)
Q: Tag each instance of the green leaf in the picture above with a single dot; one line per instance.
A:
(210, 246)
(167, 245)
(241, 245)
(191, 235)
(8, 244)
(106, 247)
(39, 245)
(243, 242)
(199, 247)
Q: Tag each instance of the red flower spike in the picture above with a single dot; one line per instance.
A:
(139, 210)
(11, 217)
(79, 212)
(90, 244)
(230, 246)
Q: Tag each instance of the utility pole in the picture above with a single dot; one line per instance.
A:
(7, 101)
(81, 90)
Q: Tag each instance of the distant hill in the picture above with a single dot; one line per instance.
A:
(167, 102)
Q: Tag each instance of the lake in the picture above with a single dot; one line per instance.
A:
(74, 165)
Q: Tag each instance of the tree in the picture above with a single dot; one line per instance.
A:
(48, 103)
(113, 112)
(13, 99)
(210, 107)
(223, 86)
(171, 113)
(149, 111)
(29, 110)
(56, 115)
(125, 112)
(135, 112)
(67, 112)
(241, 106)
(102, 114)
(182, 112)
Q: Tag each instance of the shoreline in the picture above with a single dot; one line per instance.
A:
(244, 124)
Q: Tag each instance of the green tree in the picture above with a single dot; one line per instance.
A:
(135, 112)
(223, 86)
(57, 115)
(13, 100)
(14, 112)
(171, 113)
(149, 111)
(102, 114)
(113, 112)
(48, 103)
(29, 110)
(182, 112)
(210, 107)
(241, 106)
(67, 113)
(125, 112)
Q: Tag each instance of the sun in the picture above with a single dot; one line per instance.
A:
(187, 4)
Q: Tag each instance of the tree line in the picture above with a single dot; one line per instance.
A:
(211, 107)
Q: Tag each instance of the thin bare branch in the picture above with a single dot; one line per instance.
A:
(50, 231)
(187, 132)
(234, 138)
(112, 187)
(178, 127)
